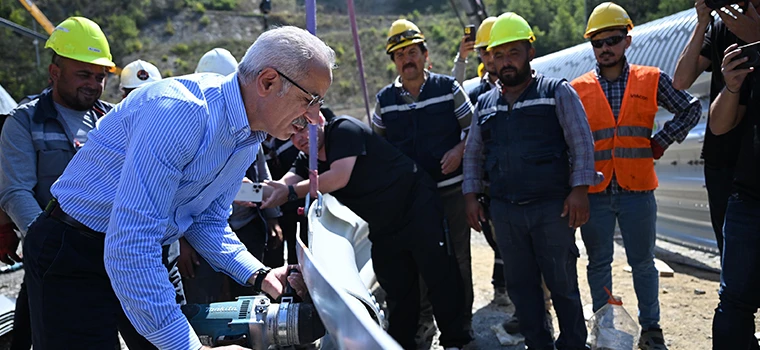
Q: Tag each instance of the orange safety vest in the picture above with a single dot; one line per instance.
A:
(623, 147)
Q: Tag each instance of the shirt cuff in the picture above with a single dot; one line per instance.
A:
(585, 178)
(177, 335)
(662, 139)
(472, 186)
(243, 266)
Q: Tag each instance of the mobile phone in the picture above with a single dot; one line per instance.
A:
(752, 52)
(470, 32)
(250, 192)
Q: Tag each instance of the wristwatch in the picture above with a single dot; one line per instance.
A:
(292, 195)
(260, 275)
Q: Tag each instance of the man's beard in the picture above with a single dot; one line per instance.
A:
(78, 100)
(610, 65)
(519, 77)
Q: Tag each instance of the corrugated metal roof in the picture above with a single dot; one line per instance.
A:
(657, 43)
(7, 104)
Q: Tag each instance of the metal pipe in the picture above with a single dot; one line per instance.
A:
(22, 30)
(359, 60)
(311, 26)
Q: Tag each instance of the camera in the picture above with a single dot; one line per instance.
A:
(752, 52)
(717, 4)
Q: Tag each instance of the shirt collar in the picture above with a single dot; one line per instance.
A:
(397, 83)
(235, 109)
(487, 78)
(623, 74)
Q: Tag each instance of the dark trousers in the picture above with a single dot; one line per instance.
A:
(71, 301)
(719, 184)
(459, 235)
(419, 250)
(535, 241)
(497, 276)
(734, 322)
(22, 327)
(289, 223)
(210, 286)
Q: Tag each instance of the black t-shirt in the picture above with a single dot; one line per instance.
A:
(721, 150)
(747, 174)
(384, 181)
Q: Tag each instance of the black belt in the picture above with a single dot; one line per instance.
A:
(54, 210)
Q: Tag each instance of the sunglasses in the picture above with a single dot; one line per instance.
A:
(404, 36)
(314, 98)
(610, 41)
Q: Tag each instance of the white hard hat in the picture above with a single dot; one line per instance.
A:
(138, 73)
(218, 61)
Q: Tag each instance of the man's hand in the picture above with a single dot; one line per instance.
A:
(452, 159)
(275, 234)
(188, 259)
(274, 282)
(474, 211)
(703, 13)
(657, 149)
(734, 78)
(576, 205)
(465, 47)
(8, 244)
(745, 26)
(278, 197)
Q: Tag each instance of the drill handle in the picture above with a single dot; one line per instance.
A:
(289, 290)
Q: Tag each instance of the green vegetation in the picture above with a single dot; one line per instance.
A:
(204, 21)
(176, 33)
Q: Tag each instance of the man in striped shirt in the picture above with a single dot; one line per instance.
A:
(163, 164)
(426, 115)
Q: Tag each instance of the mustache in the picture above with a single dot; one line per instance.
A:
(606, 54)
(408, 65)
(508, 69)
(88, 91)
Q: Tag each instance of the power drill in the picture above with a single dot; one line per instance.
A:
(255, 323)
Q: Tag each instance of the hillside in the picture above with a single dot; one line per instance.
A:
(173, 34)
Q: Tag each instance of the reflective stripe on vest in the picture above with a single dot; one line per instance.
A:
(488, 112)
(417, 105)
(623, 147)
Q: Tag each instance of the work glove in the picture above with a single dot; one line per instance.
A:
(8, 244)
(657, 150)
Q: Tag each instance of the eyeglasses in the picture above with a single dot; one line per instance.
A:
(403, 36)
(301, 122)
(610, 41)
(314, 98)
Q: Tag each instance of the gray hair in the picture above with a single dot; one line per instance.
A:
(291, 50)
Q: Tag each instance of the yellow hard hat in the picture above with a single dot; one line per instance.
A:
(510, 27)
(484, 32)
(402, 34)
(607, 15)
(481, 69)
(81, 39)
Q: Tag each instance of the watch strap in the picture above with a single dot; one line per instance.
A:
(260, 275)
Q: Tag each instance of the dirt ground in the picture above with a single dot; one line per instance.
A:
(686, 312)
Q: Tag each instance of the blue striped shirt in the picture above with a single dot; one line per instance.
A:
(164, 163)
